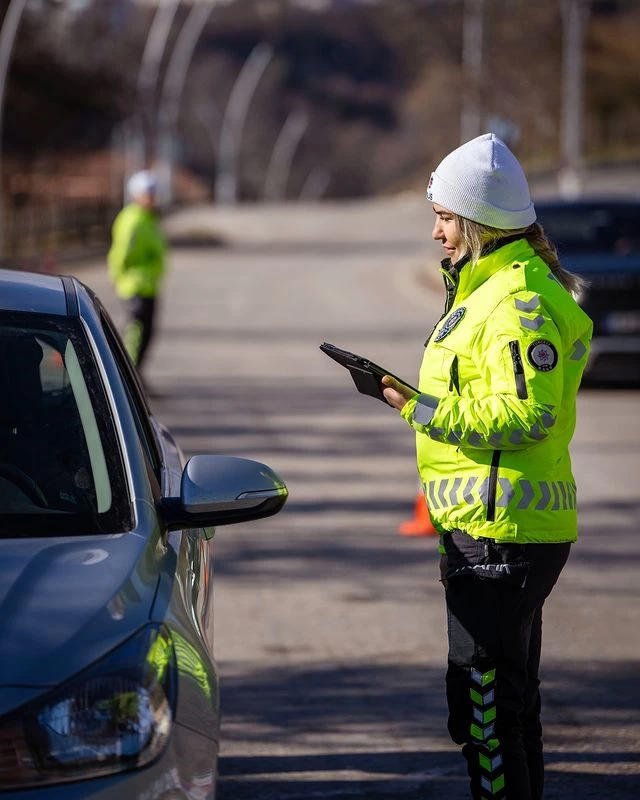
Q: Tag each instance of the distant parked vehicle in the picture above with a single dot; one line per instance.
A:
(600, 240)
(108, 687)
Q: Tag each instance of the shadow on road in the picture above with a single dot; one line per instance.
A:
(309, 704)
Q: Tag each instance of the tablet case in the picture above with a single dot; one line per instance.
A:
(366, 374)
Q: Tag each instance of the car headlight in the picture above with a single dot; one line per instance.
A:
(114, 716)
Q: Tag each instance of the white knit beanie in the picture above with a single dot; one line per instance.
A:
(141, 183)
(483, 181)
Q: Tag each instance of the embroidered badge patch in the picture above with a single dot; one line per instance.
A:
(450, 323)
(542, 355)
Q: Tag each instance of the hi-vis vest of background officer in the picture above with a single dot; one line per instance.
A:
(138, 253)
(496, 409)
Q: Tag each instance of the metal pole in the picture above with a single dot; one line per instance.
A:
(315, 185)
(152, 56)
(275, 185)
(233, 122)
(10, 25)
(211, 125)
(575, 14)
(173, 87)
(472, 57)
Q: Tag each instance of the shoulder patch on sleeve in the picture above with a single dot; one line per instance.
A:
(450, 323)
(542, 355)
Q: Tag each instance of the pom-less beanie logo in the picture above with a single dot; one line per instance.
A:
(429, 192)
(450, 323)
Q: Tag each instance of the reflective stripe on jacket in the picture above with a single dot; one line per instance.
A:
(496, 411)
(138, 252)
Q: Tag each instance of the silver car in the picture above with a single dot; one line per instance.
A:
(108, 687)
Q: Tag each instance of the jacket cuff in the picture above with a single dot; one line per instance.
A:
(419, 411)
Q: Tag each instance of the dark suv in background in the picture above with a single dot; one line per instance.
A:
(600, 240)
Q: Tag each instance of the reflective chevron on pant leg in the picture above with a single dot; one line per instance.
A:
(484, 711)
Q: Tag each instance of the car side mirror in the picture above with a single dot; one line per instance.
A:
(222, 490)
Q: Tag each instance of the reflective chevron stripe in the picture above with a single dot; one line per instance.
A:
(483, 678)
(529, 305)
(532, 324)
(466, 495)
(436, 433)
(432, 495)
(527, 494)
(453, 494)
(545, 496)
(496, 440)
(441, 496)
(482, 730)
(426, 407)
(522, 495)
(493, 787)
(563, 492)
(579, 351)
(507, 493)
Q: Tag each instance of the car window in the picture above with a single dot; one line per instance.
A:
(136, 400)
(61, 469)
(597, 229)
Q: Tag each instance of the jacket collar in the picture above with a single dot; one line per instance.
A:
(497, 255)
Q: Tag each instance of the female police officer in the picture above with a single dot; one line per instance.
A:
(494, 418)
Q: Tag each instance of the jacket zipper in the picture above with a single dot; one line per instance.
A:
(518, 370)
(451, 274)
(493, 485)
(450, 277)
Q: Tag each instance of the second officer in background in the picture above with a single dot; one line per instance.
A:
(137, 262)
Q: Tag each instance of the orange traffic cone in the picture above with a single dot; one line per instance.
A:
(420, 524)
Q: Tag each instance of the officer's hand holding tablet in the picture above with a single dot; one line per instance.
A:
(372, 379)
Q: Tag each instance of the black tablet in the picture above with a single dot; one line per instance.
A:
(366, 375)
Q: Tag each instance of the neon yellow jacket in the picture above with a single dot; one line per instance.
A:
(138, 253)
(497, 407)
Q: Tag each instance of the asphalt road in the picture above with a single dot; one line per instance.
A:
(330, 629)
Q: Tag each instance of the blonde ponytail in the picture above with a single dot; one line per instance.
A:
(475, 237)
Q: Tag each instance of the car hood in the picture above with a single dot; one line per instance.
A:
(593, 263)
(65, 602)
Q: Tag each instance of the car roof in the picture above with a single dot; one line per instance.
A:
(585, 203)
(37, 293)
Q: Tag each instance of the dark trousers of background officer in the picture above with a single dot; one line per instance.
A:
(495, 593)
(139, 327)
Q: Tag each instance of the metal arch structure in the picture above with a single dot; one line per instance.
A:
(8, 32)
(275, 185)
(575, 17)
(473, 15)
(315, 185)
(154, 49)
(173, 87)
(226, 188)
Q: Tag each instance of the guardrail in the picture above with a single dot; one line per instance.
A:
(39, 233)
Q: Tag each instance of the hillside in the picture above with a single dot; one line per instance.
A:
(380, 85)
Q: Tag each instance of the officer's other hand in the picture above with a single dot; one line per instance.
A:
(396, 393)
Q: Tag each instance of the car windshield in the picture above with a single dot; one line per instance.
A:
(60, 467)
(609, 229)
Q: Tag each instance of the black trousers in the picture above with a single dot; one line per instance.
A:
(495, 593)
(139, 328)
